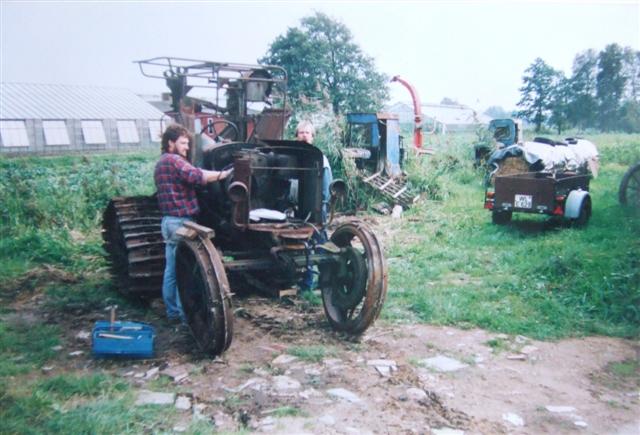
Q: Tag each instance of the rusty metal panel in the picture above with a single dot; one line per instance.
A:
(270, 124)
(242, 174)
(535, 189)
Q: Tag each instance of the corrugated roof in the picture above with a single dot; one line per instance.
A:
(46, 101)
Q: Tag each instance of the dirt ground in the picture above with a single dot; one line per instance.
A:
(413, 379)
(380, 383)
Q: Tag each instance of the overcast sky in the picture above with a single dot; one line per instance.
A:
(472, 51)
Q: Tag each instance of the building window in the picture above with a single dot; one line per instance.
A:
(156, 128)
(55, 133)
(128, 132)
(93, 132)
(14, 134)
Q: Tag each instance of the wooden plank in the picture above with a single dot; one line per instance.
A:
(187, 233)
(400, 192)
(384, 186)
(287, 292)
(203, 231)
(366, 180)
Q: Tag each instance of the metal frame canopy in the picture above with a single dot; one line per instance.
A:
(209, 74)
(240, 91)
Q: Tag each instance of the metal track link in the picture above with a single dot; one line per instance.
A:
(133, 240)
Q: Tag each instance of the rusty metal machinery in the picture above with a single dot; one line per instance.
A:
(354, 283)
(132, 238)
(417, 110)
(260, 228)
(204, 290)
(243, 102)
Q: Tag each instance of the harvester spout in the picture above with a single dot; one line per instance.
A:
(417, 131)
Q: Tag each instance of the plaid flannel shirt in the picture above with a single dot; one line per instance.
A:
(176, 179)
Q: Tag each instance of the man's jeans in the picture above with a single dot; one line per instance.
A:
(169, 226)
(319, 238)
(327, 178)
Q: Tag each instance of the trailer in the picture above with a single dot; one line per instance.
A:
(560, 194)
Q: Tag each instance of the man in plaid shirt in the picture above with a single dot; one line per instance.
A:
(175, 180)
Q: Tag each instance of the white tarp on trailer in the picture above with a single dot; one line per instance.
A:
(574, 155)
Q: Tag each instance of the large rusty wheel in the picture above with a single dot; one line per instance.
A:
(629, 192)
(354, 287)
(205, 294)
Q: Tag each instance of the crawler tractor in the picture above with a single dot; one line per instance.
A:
(256, 229)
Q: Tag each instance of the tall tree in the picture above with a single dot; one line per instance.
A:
(630, 117)
(610, 86)
(539, 81)
(630, 111)
(323, 63)
(583, 105)
(631, 70)
(560, 98)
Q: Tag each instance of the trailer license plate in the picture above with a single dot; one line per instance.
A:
(523, 201)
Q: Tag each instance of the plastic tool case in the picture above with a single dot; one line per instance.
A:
(123, 339)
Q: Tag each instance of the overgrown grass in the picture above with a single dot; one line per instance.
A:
(50, 213)
(450, 265)
(69, 192)
(67, 386)
(51, 207)
(25, 346)
(94, 404)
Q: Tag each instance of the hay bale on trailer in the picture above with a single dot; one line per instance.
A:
(510, 165)
(544, 155)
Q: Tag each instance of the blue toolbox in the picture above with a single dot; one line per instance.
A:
(122, 339)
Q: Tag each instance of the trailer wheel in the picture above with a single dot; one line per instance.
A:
(585, 213)
(354, 287)
(629, 193)
(204, 294)
(501, 217)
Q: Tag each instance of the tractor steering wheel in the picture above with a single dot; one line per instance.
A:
(231, 132)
